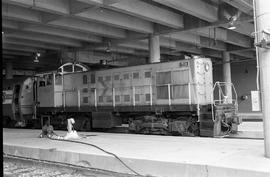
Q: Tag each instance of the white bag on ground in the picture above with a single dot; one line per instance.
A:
(71, 135)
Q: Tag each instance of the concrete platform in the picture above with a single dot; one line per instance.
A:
(163, 156)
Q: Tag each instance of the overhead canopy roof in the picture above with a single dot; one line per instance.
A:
(53, 27)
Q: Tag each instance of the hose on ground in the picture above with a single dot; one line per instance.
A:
(107, 152)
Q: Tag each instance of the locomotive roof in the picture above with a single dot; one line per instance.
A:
(109, 68)
(103, 69)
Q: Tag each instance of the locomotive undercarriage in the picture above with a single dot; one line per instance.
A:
(219, 122)
(165, 124)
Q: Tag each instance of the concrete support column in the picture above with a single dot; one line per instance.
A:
(154, 49)
(262, 17)
(227, 75)
(9, 71)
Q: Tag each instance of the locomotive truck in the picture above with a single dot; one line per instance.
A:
(175, 98)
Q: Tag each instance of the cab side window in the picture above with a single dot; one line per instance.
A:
(41, 83)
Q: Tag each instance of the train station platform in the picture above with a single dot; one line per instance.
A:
(162, 156)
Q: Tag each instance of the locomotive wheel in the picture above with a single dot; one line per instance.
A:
(145, 131)
(193, 127)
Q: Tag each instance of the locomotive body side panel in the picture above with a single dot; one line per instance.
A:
(72, 82)
(58, 90)
(45, 90)
(146, 85)
(184, 82)
(26, 97)
(104, 88)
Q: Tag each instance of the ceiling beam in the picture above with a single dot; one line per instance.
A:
(83, 36)
(139, 45)
(28, 15)
(142, 10)
(197, 8)
(184, 47)
(211, 53)
(10, 52)
(116, 49)
(16, 12)
(246, 54)
(8, 56)
(198, 41)
(243, 5)
(76, 7)
(21, 48)
(91, 27)
(228, 36)
(43, 38)
(10, 24)
(245, 28)
(62, 7)
(192, 23)
(30, 43)
(117, 19)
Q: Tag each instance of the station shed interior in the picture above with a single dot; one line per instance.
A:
(41, 35)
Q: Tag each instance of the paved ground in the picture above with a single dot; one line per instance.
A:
(163, 156)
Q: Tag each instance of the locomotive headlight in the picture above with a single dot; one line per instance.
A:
(206, 67)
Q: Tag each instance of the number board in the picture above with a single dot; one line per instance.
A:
(183, 64)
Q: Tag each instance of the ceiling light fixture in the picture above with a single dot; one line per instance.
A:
(36, 60)
(231, 27)
(37, 55)
(108, 48)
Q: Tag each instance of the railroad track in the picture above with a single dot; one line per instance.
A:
(15, 166)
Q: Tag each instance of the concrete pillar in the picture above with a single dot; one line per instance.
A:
(9, 71)
(227, 75)
(154, 49)
(262, 17)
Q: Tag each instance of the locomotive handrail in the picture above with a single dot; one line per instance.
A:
(95, 94)
(133, 88)
(113, 97)
(221, 94)
(151, 95)
(189, 94)
(182, 84)
(169, 94)
(133, 96)
(79, 98)
(64, 99)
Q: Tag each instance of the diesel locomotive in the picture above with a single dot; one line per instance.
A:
(171, 98)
